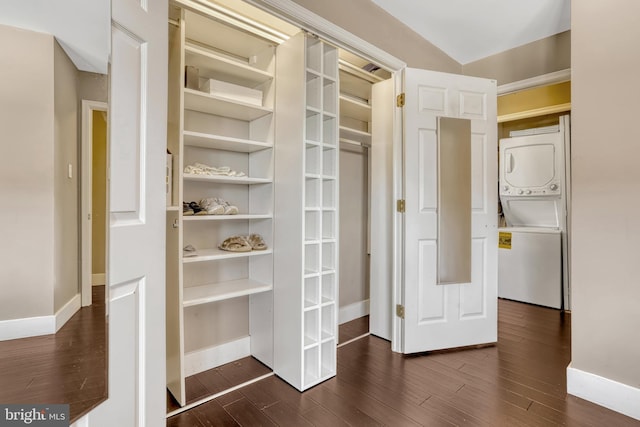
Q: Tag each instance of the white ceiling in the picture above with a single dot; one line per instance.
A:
(83, 28)
(468, 30)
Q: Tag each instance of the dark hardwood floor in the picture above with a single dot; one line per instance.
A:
(521, 381)
(68, 367)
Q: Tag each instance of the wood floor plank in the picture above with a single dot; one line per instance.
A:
(213, 414)
(245, 414)
(284, 415)
(344, 409)
(300, 402)
(374, 408)
(443, 409)
(321, 417)
(186, 419)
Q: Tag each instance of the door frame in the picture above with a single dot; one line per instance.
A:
(86, 196)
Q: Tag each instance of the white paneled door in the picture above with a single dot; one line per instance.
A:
(136, 285)
(440, 316)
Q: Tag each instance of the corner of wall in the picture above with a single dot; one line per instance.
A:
(66, 173)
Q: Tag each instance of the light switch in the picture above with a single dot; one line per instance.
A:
(70, 171)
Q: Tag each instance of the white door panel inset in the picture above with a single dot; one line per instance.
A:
(473, 105)
(428, 182)
(431, 298)
(125, 139)
(478, 167)
(473, 295)
(434, 99)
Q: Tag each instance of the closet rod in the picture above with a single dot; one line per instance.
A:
(358, 143)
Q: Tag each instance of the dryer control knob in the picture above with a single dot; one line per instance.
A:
(520, 191)
(528, 192)
(553, 187)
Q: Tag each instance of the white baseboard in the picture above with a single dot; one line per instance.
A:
(27, 327)
(41, 325)
(98, 279)
(209, 358)
(611, 394)
(353, 311)
(67, 310)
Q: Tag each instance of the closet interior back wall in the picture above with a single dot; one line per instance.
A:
(354, 231)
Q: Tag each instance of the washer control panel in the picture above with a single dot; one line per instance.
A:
(550, 189)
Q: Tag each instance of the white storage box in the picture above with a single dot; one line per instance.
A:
(232, 92)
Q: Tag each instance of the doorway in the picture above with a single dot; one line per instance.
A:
(93, 197)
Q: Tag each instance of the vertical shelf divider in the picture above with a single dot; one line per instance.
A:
(305, 291)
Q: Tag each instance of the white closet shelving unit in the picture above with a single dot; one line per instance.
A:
(306, 215)
(355, 104)
(219, 303)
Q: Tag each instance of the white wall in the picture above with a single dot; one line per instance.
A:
(26, 174)
(65, 140)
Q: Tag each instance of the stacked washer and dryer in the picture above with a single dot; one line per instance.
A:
(533, 254)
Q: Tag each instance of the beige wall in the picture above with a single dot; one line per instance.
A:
(99, 193)
(65, 140)
(606, 179)
(26, 174)
(92, 86)
(369, 22)
(38, 202)
(354, 206)
(533, 59)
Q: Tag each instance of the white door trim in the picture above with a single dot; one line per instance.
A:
(88, 107)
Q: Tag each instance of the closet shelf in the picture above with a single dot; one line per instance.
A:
(310, 342)
(211, 104)
(219, 142)
(211, 64)
(225, 217)
(355, 109)
(326, 336)
(223, 179)
(355, 135)
(204, 294)
(219, 254)
(224, 35)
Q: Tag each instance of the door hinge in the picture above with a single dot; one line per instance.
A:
(400, 311)
(400, 205)
(400, 100)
